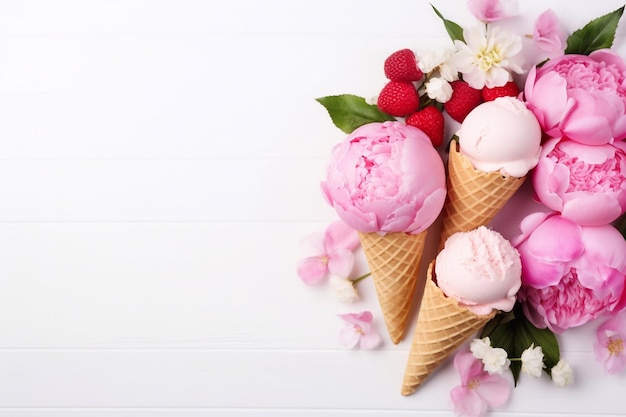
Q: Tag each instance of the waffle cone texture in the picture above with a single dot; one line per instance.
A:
(442, 327)
(394, 260)
(474, 197)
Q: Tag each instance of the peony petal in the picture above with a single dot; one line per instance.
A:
(338, 235)
(582, 208)
(550, 95)
(312, 270)
(539, 274)
(341, 262)
(543, 245)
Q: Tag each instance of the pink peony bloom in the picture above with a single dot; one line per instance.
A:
(331, 252)
(571, 274)
(548, 34)
(492, 10)
(359, 330)
(580, 97)
(478, 388)
(386, 177)
(587, 184)
(609, 346)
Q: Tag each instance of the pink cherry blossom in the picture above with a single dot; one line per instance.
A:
(571, 274)
(548, 34)
(586, 183)
(610, 344)
(581, 97)
(358, 329)
(331, 252)
(478, 389)
(492, 10)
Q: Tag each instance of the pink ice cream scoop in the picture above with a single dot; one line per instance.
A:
(386, 177)
(480, 269)
(501, 135)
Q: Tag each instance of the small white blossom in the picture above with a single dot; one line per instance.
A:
(532, 361)
(479, 347)
(438, 89)
(562, 374)
(438, 60)
(488, 56)
(496, 361)
(344, 289)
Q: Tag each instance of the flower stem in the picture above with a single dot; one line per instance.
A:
(362, 277)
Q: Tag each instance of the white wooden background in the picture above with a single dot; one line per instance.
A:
(159, 161)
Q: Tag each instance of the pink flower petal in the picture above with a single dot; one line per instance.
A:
(583, 209)
(492, 10)
(312, 270)
(312, 245)
(348, 336)
(341, 262)
(339, 235)
(370, 339)
(467, 402)
(494, 389)
(544, 246)
(548, 34)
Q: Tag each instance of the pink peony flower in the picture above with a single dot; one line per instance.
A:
(548, 34)
(331, 252)
(386, 177)
(580, 97)
(492, 10)
(570, 273)
(587, 184)
(609, 347)
(359, 330)
(478, 388)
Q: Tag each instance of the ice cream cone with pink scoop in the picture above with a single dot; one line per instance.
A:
(477, 274)
(498, 143)
(388, 182)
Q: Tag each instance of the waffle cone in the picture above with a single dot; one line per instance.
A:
(442, 326)
(474, 197)
(394, 260)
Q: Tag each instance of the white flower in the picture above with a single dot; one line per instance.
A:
(479, 347)
(532, 361)
(344, 289)
(438, 89)
(437, 60)
(562, 374)
(496, 361)
(488, 56)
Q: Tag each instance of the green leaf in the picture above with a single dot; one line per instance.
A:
(454, 30)
(597, 34)
(529, 334)
(515, 334)
(349, 112)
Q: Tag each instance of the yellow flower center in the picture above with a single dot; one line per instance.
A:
(324, 259)
(615, 346)
(359, 329)
(489, 58)
(473, 384)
